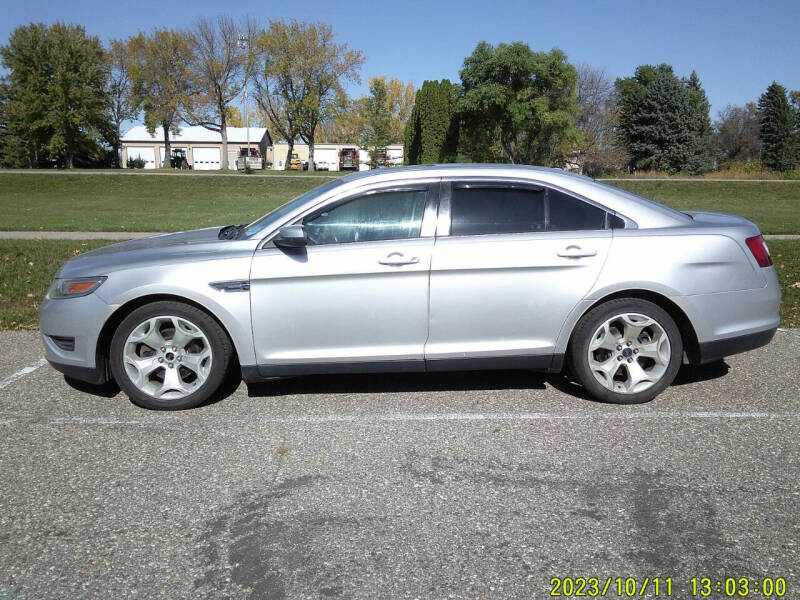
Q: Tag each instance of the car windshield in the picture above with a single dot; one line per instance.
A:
(268, 221)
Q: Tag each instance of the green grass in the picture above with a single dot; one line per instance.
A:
(773, 206)
(154, 203)
(27, 266)
(786, 256)
(139, 203)
(26, 269)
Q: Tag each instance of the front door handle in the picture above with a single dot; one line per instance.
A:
(576, 252)
(396, 259)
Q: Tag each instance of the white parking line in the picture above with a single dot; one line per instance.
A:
(21, 373)
(395, 417)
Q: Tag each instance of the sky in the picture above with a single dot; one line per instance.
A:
(737, 47)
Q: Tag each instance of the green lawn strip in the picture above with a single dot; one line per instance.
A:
(786, 256)
(26, 269)
(139, 203)
(773, 206)
(158, 203)
(27, 266)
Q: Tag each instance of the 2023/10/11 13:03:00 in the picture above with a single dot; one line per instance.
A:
(699, 587)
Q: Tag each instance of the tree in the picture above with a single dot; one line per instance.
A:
(377, 122)
(220, 61)
(431, 135)
(778, 126)
(161, 80)
(54, 94)
(702, 121)
(121, 102)
(518, 105)
(324, 67)
(737, 133)
(663, 120)
(599, 151)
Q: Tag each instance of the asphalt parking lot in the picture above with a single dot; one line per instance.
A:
(476, 485)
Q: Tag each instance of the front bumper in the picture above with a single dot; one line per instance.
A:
(82, 319)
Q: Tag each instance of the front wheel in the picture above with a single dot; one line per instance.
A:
(170, 356)
(626, 351)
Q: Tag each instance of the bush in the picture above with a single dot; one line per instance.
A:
(136, 163)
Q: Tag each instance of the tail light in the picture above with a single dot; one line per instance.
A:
(760, 251)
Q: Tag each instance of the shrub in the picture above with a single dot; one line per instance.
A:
(136, 163)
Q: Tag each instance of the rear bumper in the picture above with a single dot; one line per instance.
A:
(710, 351)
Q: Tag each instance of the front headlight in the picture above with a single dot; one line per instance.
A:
(73, 288)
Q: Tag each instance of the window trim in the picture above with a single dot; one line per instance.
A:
(445, 205)
(427, 229)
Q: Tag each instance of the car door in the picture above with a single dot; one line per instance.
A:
(356, 297)
(511, 260)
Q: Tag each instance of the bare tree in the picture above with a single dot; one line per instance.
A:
(122, 103)
(220, 63)
(737, 133)
(600, 151)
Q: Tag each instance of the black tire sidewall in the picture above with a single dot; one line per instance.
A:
(221, 349)
(588, 324)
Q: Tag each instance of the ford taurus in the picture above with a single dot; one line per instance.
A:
(435, 268)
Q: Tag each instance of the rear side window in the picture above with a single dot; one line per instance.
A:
(485, 210)
(570, 214)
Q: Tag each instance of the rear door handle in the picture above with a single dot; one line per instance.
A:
(576, 252)
(396, 259)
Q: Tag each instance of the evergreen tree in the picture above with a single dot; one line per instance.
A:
(779, 147)
(664, 121)
(432, 131)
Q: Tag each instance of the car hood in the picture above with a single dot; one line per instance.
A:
(170, 248)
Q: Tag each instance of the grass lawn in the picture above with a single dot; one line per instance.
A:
(26, 269)
(27, 266)
(773, 206)
(140, 202)
(155, 203)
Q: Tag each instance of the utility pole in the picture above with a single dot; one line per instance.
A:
(243, 42)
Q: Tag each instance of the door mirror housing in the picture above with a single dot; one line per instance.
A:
(291, 236)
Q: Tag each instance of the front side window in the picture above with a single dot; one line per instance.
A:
(482, 210)
(393, 215)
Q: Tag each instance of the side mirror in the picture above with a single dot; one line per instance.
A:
(291, 236)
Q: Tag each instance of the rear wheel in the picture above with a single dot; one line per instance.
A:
(626, 351)
(170, 356)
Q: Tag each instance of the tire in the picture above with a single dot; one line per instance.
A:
(626, 351)
(184, 372)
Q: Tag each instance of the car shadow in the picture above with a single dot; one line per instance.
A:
(104, 390)
(697, 373)
(398, 382)
(452, 382)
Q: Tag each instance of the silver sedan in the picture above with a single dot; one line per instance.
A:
(435, 268)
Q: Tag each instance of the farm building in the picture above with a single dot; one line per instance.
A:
(327, 155)
(203, 147)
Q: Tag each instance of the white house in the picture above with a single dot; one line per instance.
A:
(203, 147)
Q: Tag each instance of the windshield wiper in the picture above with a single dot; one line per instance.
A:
(230, 232)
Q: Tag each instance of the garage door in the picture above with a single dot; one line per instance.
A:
(206, 159)
(148, 155)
